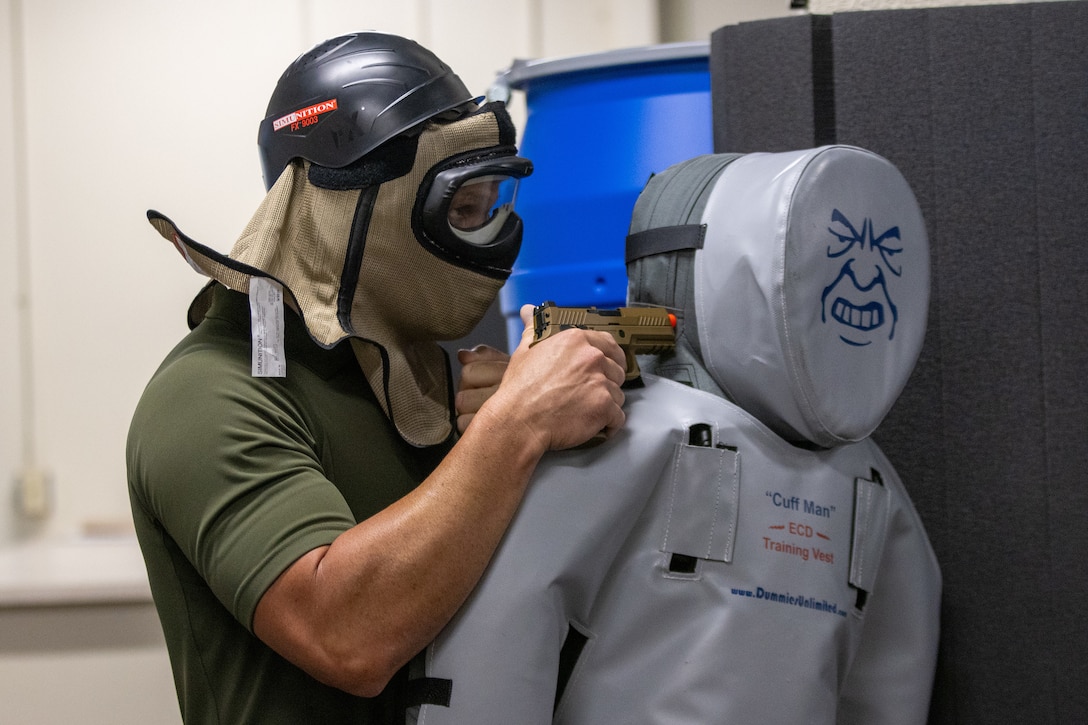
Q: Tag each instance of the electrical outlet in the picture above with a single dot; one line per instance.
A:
(32, 492)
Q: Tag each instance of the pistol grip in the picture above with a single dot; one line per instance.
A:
(632, 365)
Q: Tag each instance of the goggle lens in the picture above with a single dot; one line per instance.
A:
(480, 207)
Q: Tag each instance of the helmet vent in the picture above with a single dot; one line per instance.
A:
(318, 52)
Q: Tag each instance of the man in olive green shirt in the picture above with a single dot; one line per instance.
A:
(309, 515)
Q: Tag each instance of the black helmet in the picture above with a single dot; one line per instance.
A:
(348, 95)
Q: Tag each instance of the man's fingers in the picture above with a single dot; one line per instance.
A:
(482, 369)
(568, 388)
(482, 375)
(481, 353)
(600, 340)
(608, 345)
(616, 423)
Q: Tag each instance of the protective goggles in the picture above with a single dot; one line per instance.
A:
(468, 209)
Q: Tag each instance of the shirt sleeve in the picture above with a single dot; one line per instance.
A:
(230, 468)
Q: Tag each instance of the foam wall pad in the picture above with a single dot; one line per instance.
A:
(985, 111)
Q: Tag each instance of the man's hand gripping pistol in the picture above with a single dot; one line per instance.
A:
(637, 330)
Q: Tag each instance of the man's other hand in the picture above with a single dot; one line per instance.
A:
(482, 369)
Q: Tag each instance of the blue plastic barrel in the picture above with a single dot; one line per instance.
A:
(597, 127)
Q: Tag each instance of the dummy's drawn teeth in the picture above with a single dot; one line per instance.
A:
(868, 317)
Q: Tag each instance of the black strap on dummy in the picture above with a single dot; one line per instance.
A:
(662, 240)
(429, 691)
(568, 658)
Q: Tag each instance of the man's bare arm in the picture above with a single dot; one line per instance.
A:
(352, 613)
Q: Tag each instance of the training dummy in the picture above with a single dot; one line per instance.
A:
(741, 551)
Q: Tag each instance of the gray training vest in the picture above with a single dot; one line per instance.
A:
(719, 561)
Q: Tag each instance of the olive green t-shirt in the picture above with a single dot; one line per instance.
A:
(231, 479)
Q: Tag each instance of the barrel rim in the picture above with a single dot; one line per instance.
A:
(522, 71)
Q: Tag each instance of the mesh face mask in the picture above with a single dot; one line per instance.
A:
(439, 287)
(394, 266)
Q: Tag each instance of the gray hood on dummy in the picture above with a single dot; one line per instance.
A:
(811, 302)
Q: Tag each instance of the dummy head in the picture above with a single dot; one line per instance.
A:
(804, 287)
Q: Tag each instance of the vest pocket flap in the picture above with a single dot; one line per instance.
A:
(703, 499)
(871, 501)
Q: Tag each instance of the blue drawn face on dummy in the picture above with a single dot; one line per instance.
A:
(858, 303)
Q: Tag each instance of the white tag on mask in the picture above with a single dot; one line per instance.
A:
(266, 327)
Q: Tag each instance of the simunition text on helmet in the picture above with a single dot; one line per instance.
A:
(304, 116)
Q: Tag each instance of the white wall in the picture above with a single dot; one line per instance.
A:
(131, 105)
(10, 437)
(91, 664)
(113, 107)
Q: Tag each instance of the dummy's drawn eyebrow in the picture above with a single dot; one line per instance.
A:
(881, 243)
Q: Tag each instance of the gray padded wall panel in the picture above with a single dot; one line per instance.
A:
(782, 110)
(985, 111)
(1060, 75)
(993, 520)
